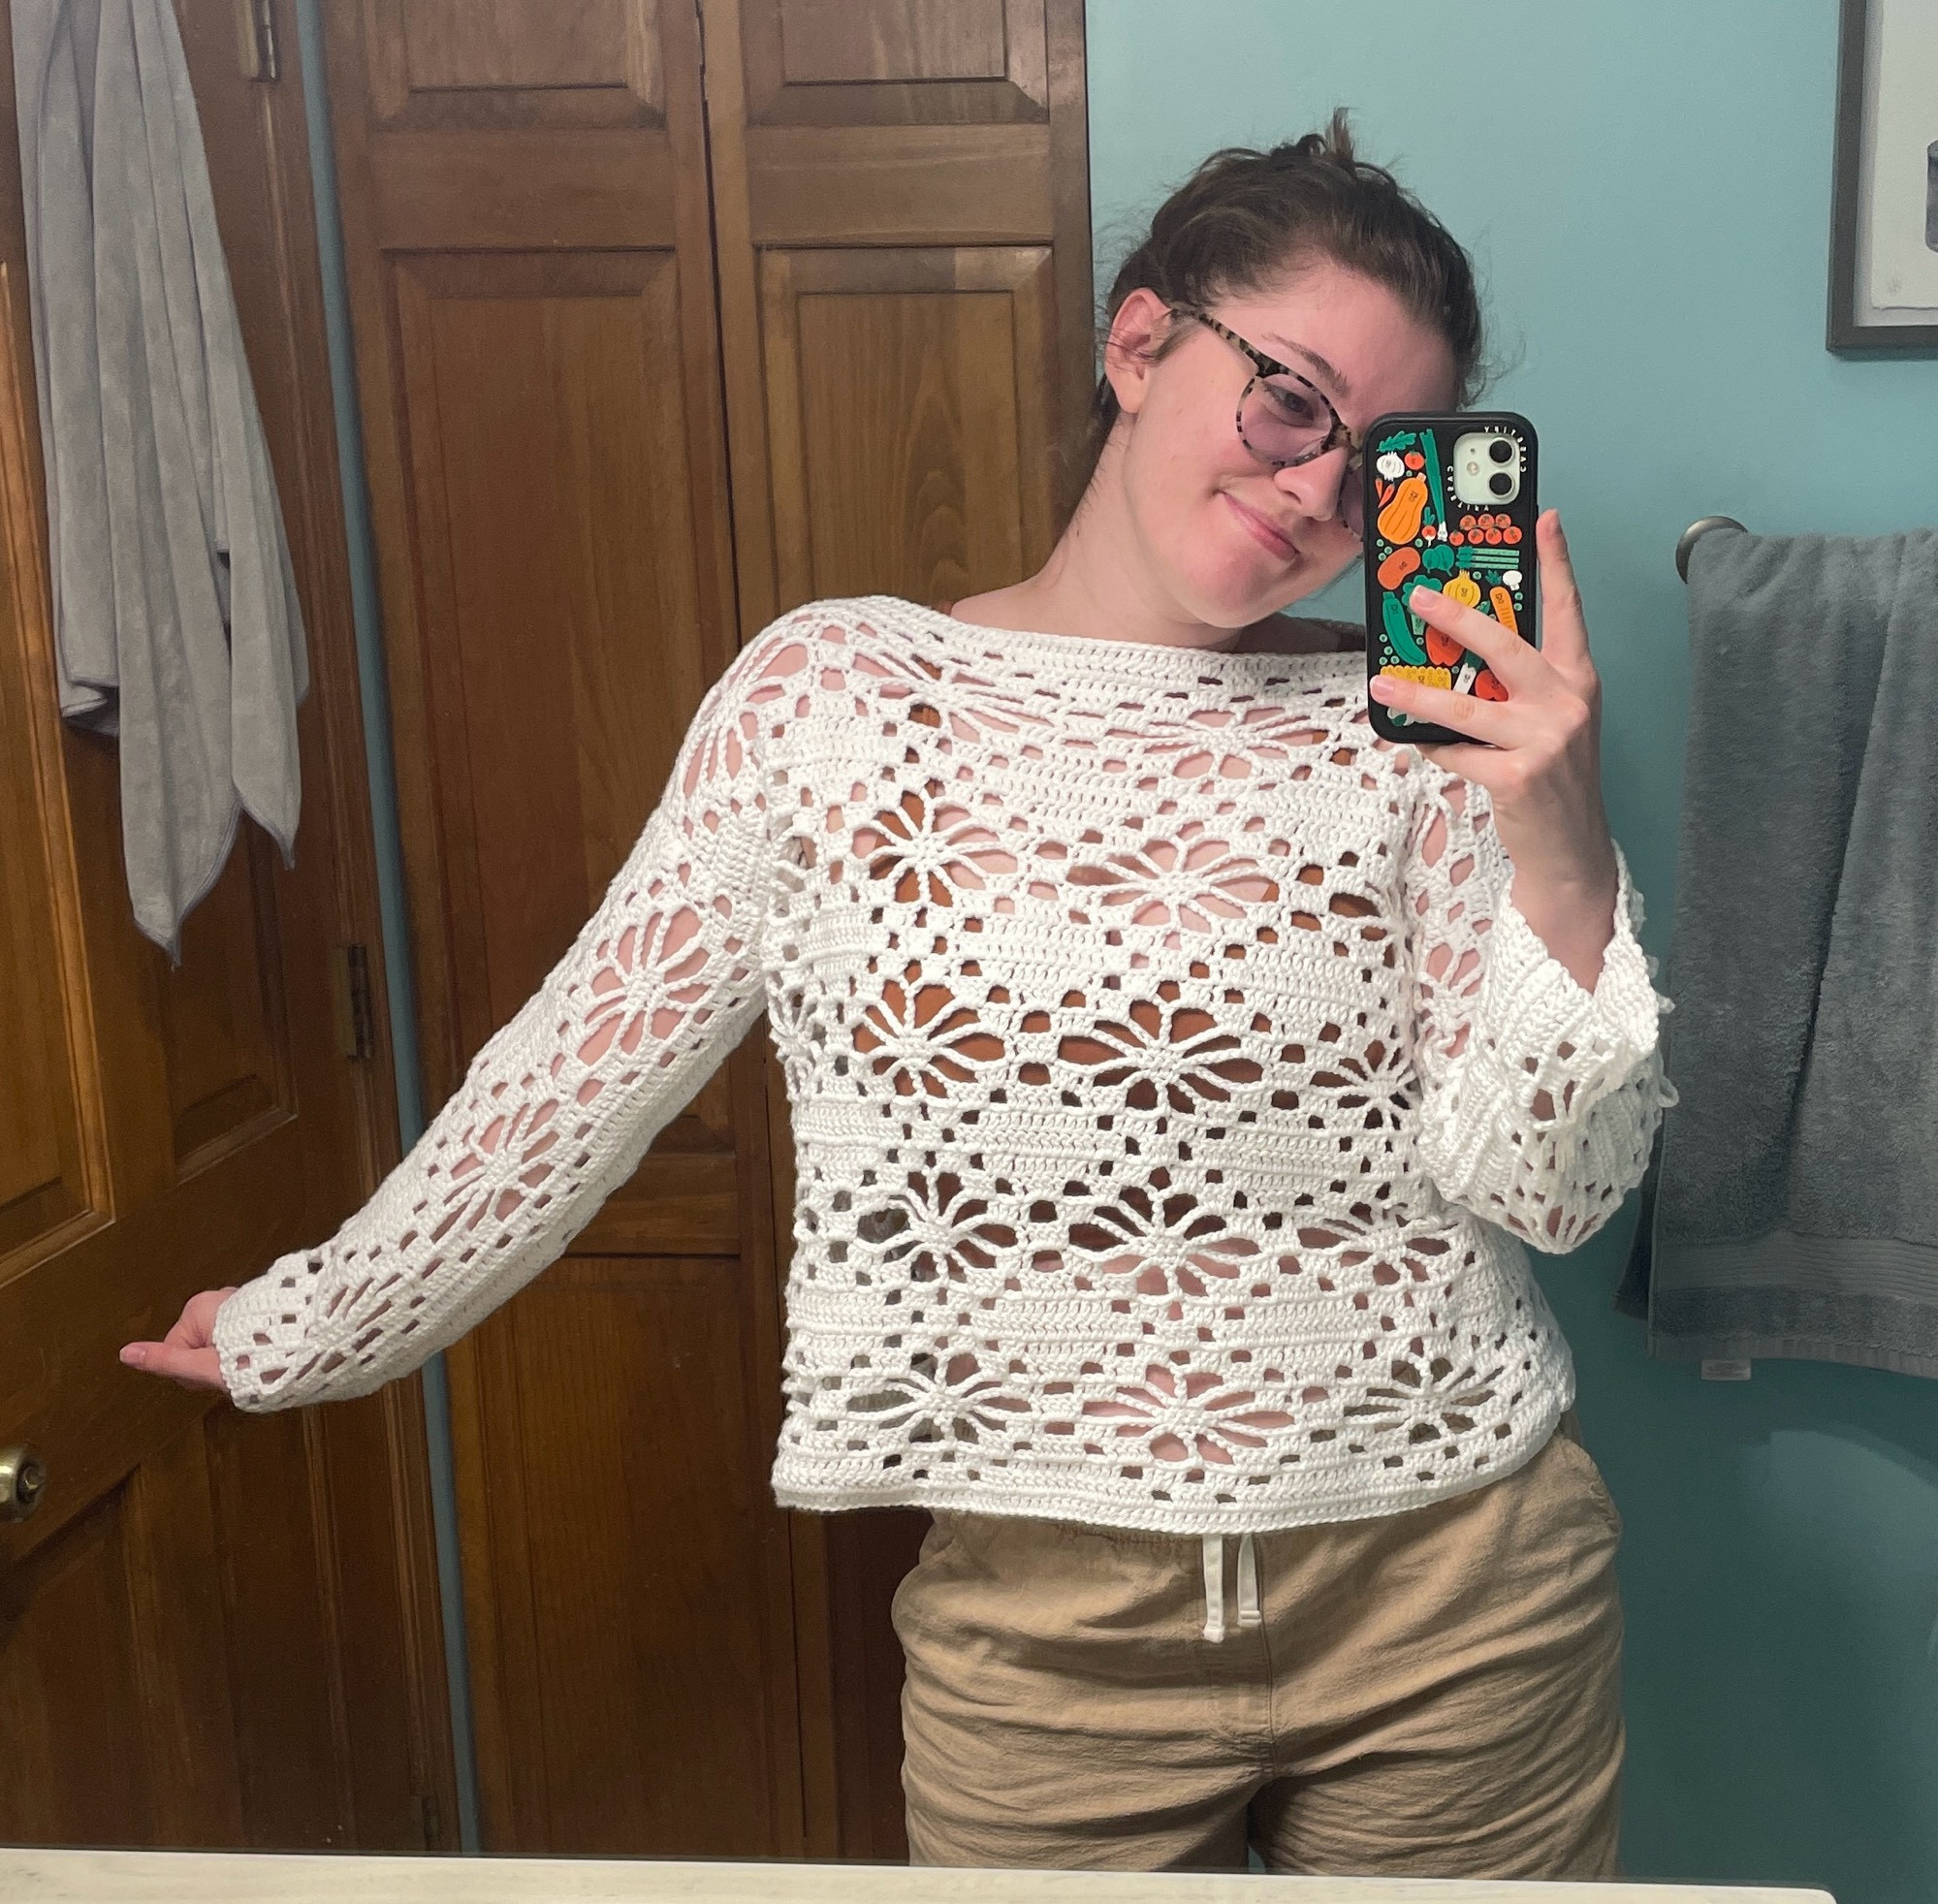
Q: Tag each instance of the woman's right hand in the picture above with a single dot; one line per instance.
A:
(186, 1354)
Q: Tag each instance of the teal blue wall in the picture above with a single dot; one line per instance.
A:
(1652, 238)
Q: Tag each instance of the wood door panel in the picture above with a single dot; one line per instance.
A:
(270, 1492)
(221, 1013)
(45, 1044)
(910, 454)
(508, 63)
(825, 42)
(39, 1200)
(485, 191)
(181, 1647)
(553, 542)
(533, 291)
(399, 1790)
(617, 1439)
(900, 185)
(867, 1556)
(556, 549)
(40, 1175)
(518, 43)
(114, 1696)
(203, 1123)
(65, 1679)
(871, 265)
(894, 62)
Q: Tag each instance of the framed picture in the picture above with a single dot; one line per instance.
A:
(1883, 216)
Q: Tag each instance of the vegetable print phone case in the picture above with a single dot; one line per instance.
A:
(1450, 501)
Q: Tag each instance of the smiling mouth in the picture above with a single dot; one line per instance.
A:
(1264, 531)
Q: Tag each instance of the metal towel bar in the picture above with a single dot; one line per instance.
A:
(1694, 533)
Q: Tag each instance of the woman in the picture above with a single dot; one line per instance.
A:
(1173, 1066)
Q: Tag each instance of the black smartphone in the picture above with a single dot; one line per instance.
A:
(1450, 501)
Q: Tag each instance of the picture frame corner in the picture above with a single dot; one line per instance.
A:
(1846, 331)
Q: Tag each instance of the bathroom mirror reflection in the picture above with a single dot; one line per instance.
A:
(742, 1118)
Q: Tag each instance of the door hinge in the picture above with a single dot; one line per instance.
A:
(256, 32)
(430, 1820)
(351, 1005)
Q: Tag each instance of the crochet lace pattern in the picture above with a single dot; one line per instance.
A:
(1171, 1080)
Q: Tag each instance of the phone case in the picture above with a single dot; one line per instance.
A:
(1418, 530)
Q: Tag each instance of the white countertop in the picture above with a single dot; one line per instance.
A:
(159, 1877)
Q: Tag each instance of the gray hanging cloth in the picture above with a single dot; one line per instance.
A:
(176, 618)
(1796, 1204)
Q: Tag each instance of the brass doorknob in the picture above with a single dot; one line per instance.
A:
(23, 1479)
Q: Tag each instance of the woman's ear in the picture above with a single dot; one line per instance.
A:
(1130, 351)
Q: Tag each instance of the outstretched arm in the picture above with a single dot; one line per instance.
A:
(555, 1111)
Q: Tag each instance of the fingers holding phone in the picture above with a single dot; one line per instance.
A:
(1450, 506)
(1537, 751)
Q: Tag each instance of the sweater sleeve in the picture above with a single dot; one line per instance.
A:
(560, 1104)
(1539, 1098)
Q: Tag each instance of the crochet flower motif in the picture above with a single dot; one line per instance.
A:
(1375, 1083)
(1162, 1238)
(901, 671)
(1189, 881)
(1161, 1050)
(504, 1162)
(663, 958)
(1189, 1414)
(1275, 729)
(931, 848)
(987, 713)
(978, 711)
(932, 1400)
(920, 1039)
(938, 1230)
(1431, 1396)
(790, 1009)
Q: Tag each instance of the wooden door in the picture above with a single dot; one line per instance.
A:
(662, 1662)
(525, 215)
(215, 1630)
(902, 205)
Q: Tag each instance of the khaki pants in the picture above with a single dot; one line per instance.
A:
(1432, 1693)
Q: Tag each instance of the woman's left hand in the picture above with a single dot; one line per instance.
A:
(1537, 754)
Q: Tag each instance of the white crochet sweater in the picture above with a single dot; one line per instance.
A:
(1171, 1080)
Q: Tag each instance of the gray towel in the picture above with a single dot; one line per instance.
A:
(175, 616)
(1796, 1210)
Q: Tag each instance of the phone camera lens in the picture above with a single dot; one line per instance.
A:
(1501, 450)
(1501, 483)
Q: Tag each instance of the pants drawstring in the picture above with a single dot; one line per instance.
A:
(1214, 1587)
(1250, 1610)
(1250, 1613)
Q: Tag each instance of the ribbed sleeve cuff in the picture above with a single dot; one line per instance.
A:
(1536, 1031)
(1545, 1030)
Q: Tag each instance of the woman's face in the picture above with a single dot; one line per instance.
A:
(1229, 539)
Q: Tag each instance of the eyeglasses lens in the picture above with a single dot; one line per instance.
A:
(1286, 421)
(1282, 420)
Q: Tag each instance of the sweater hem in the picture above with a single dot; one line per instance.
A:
(1178, 1521)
